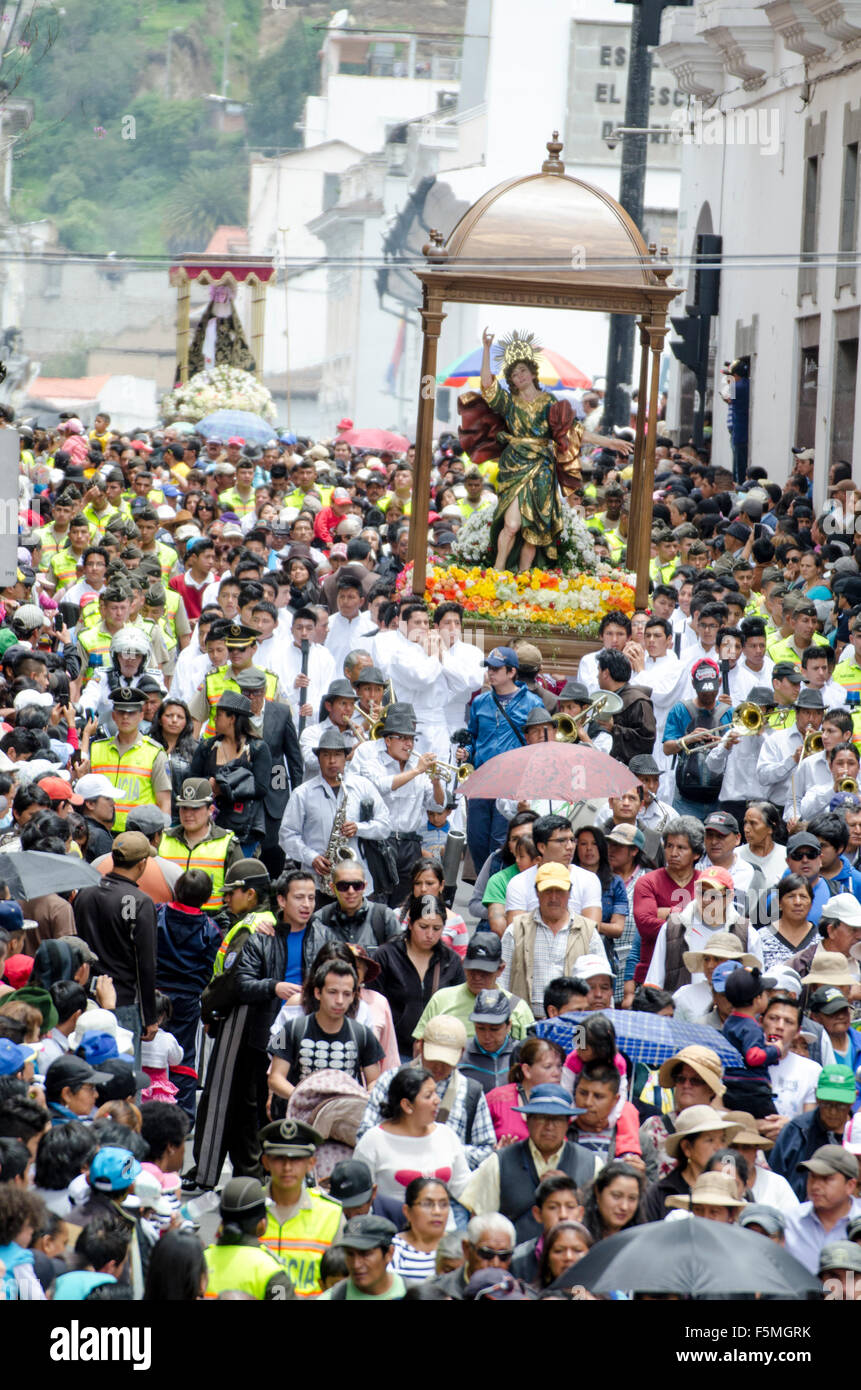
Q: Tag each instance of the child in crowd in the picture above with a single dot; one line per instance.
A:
(748, 1088)
(159, 1055)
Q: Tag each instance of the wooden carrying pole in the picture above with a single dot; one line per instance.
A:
(432, 317)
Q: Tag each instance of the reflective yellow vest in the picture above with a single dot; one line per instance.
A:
(90, 614)
(129, 772)
(214, 687)
(245, 1267)
(99, 520)
(95, 642)
(231, 501)
(64, 567)
(299, 1244)
(210, 855)
(249, 923)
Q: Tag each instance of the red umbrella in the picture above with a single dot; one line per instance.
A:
(553, 771)
(382, 440)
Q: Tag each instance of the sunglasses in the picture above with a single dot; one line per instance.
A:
(346, 887)
(485, 1253)
(805, 854)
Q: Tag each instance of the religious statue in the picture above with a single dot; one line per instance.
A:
(537, 441)
(219, 340)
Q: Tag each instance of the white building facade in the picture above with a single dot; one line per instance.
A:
(770, 163)
(402, 155)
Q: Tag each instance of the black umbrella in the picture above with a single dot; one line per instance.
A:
(31, 874)
(692, 1256)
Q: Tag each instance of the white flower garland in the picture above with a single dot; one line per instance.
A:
(576, 550)
(218, 388)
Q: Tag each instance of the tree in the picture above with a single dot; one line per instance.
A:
(279, 85)
(202, 200)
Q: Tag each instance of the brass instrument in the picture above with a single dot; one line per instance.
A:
(462, 770)
(358, 731)
(847, 784)
(338, 850)
(603, 706)
(812, 744)
(748, 718)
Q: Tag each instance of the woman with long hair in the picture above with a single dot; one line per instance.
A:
(238, 766)
(614, 1201)
(564, 1245)
(173, 728)
(177, 1270)
(539, 1063)
(415, 965)
(428, 877)
(409, 1141)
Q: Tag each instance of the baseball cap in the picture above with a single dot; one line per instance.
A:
(131, 847)
(786, 671)
(13, 1056)
(341, 494)
(96, 1048)
(802, 841)
(772, 1221)
(367, 1233)
(351, 1183)
(843, 907)
(59, 790)
(630, 835)
(112, 1169)
(787, 981)
(722, 821)
(503, 656)
(72, 1071)
(716, 878)
(553, 876)
(484, 952)
(830, 1159)
(828, 999)
(836, 1083)
(444, 1039)
(840, 1254)
(706, 676)
(587, 967)
(491, 1006)
(721, 974)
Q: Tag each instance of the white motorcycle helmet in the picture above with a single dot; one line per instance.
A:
(130, 641)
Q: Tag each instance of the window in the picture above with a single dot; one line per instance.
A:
(814, 149)
(808, 381)
(845, 372)
(848, 218)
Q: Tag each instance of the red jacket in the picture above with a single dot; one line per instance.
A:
(653, 891)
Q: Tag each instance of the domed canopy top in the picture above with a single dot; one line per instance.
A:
(548, 227)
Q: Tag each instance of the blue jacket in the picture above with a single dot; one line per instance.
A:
(795, 1143)
(489, 730)
(848, 878)
(187, 946)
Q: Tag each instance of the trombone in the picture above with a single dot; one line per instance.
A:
(748, 718)
(847, 784)
(603, 706)
(812, 744)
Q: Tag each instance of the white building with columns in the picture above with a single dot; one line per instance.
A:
(770, 163)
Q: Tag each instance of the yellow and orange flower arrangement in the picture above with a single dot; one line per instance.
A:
(572, 603)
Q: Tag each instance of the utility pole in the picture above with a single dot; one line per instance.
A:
(632, 183)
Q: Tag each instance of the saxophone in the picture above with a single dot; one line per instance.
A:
(338, 850)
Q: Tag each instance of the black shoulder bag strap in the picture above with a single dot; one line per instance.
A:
(512, 726)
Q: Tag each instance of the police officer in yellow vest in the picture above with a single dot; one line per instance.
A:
(300, 1223)
(196, 843)
(237, 1260)
(94, 643)
(133, 763)
(241, 643)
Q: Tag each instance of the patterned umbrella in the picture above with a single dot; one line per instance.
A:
(242, 423)
(555, 372)
(649, 1038)
(556, 771)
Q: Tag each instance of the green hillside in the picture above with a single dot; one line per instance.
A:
(114, 161)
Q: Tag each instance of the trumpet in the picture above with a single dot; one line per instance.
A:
(603, 706)
(462, 770)
(812, 744)
(847, 784)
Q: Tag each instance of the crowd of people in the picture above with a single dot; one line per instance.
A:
(315, 1026)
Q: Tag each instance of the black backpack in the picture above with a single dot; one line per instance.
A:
(694, 780)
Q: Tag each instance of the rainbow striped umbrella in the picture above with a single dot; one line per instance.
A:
(555, 372)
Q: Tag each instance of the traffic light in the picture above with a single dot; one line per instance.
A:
(692, 350)
(650, 17)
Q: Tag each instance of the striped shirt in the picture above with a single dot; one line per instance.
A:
(412, 1265)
